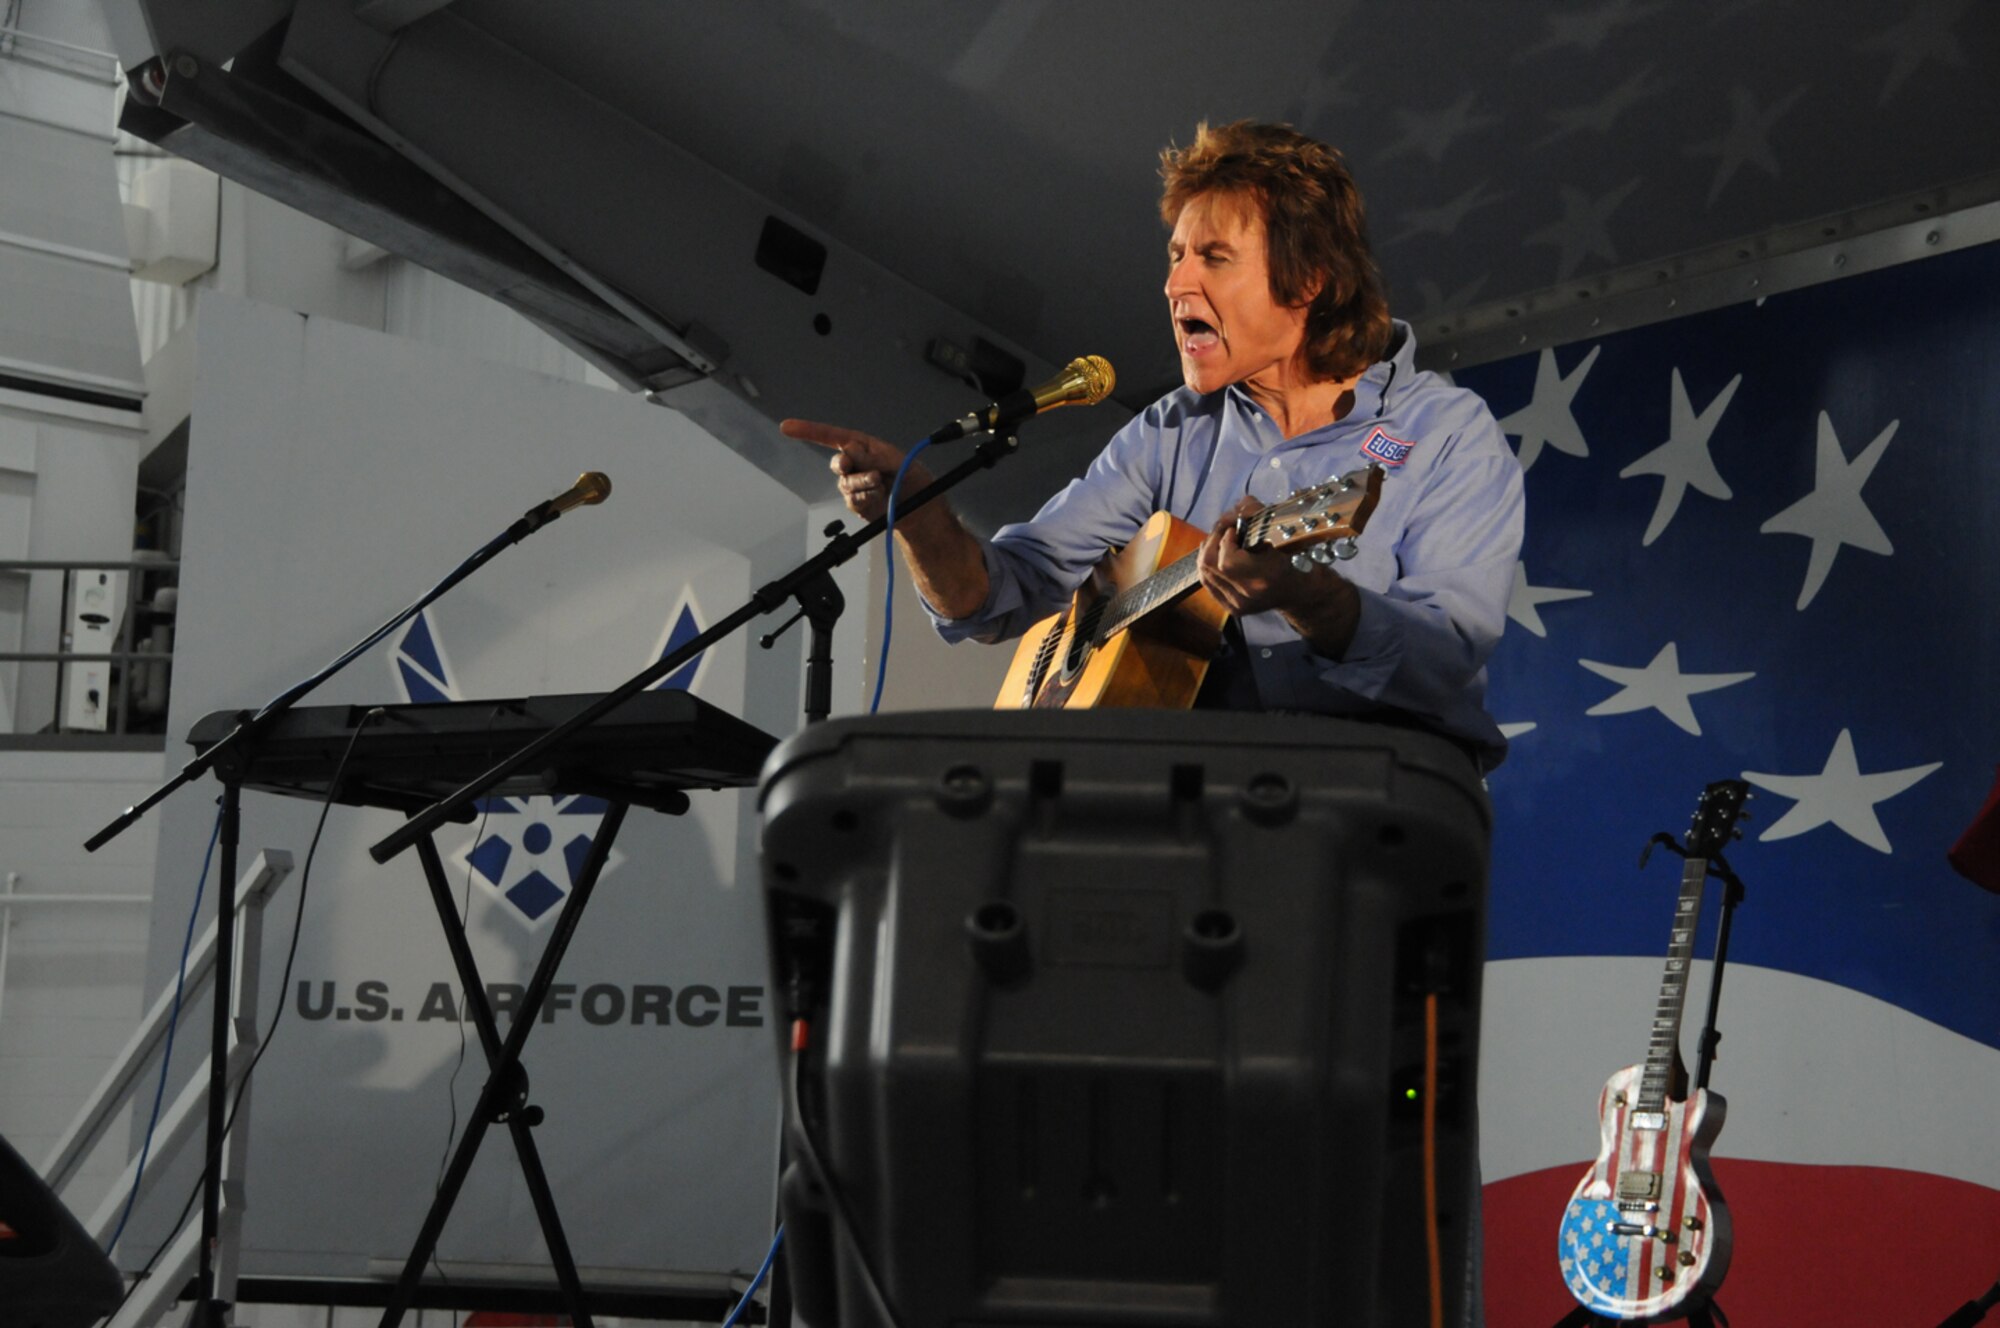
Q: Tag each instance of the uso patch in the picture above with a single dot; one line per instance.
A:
(1389, 451)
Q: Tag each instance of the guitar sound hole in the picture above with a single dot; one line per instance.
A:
(1079, 650)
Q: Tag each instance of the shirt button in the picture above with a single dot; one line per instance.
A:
(1267, 652)
(1274, 463)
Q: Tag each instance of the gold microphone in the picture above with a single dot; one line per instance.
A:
(1084, 381)
(591, 487)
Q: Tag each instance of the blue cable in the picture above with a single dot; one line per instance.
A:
(889, 575)
(173, 1021)
(751, 1290)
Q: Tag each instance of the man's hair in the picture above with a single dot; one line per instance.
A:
(1315, 227)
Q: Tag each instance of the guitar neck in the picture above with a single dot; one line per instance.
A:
(1142, 597)
(1168, 584)
(1662, 1053)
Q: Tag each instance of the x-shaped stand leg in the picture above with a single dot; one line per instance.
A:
(504, 1097)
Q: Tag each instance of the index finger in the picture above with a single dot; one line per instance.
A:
(825, 435)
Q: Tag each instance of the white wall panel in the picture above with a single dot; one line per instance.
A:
(333, 473)
(63, 310)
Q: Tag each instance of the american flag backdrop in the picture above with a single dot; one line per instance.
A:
(1761, 544)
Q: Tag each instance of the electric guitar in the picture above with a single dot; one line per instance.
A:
(1140, 631)
(1645, 1237)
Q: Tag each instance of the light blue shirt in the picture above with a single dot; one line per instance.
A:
(1435, 564)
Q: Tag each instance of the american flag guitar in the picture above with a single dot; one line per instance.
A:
(1645, 1236)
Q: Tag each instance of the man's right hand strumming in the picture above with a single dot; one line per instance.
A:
(945, 559)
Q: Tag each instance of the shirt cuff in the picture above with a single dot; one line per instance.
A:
(1002, 595)
(1373, 653)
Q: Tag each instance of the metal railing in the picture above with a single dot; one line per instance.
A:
(145, 667)
(181, 1125)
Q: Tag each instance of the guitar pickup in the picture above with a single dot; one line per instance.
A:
(1639, 1185)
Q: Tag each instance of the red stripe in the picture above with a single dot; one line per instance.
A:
(1824, 1247)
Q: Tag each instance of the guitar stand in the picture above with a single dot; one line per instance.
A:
(1708, 1316)
(1732, 895)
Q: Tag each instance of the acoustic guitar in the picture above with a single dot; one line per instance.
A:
(1645, 1237)
(1140, 631)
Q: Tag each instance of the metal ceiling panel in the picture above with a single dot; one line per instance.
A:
(245, 124)
(674, 246)
(989, 168)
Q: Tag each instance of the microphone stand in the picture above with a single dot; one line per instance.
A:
(820, 604)
(231, 757)
(802, 582)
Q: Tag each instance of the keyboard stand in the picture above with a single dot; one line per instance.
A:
(504, 1099)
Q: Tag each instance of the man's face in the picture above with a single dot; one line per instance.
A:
(1227, 326)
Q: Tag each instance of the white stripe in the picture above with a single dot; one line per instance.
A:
(1814, 1073)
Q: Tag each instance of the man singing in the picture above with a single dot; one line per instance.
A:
(1294, 374)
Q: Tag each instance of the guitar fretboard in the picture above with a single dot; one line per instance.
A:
(1112, 616)
(1657, 1080)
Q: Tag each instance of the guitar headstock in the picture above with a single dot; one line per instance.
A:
(1715, 817)
(1337, 511)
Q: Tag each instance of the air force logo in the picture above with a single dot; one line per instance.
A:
(1389, 451)
(528, 851)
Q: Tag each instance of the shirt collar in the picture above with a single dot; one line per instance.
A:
(1372, 392)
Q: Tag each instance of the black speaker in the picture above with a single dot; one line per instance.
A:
(52, 1274)
(1119, 1017)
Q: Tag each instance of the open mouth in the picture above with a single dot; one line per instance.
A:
(1197, 335)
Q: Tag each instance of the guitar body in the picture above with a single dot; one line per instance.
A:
(1140, 631)
(1645, 1237)
(1159, 661)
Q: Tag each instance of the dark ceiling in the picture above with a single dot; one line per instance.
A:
(1003, 155)
(988, 169)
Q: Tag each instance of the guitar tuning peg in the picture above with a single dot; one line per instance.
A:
(1302, 562)
(1322, 555)
(1345, 548)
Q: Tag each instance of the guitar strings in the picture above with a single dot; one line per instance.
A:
(1107, 617)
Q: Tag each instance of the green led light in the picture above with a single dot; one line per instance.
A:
(1410, 1094)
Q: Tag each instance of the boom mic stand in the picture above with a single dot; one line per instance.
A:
(802, 582)
(811, 585)
(230, 756)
